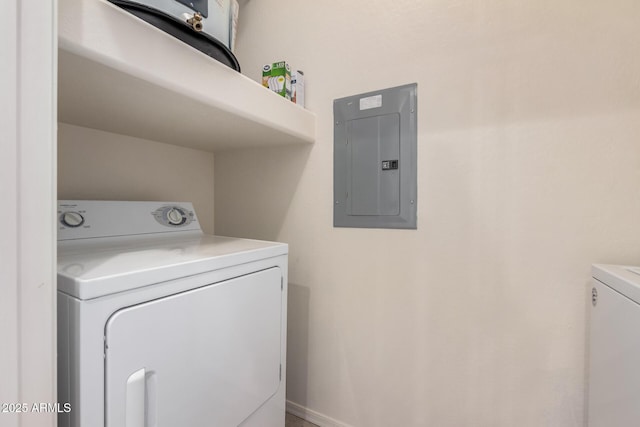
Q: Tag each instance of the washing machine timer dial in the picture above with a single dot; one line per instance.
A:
(72, 219)
(173, 216)
(176, 216)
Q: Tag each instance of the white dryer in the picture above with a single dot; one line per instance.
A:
(614, 348)
(162, 325)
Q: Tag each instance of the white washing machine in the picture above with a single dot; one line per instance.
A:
(614, 353)
(162, 325)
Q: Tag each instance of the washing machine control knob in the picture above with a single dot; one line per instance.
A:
(175, 216)
(72, 219)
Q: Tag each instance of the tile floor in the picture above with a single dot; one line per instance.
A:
(293, 421)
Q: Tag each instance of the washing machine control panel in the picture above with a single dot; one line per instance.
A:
(84, 219)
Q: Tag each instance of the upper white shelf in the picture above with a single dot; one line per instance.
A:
(118, 73)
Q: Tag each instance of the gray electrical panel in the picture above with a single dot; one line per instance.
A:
(374, 159)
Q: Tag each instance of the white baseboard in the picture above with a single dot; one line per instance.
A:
(312, 416)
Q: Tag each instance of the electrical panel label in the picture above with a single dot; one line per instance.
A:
(370, 102)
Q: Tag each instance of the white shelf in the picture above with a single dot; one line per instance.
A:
(120, 74)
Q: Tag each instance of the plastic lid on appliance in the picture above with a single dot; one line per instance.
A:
(623, 279)
(635, 270)
(93, 268)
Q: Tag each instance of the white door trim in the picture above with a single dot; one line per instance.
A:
(28, 172)
(9, 196)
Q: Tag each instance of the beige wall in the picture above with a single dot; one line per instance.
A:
(528, 172)
(99, 165)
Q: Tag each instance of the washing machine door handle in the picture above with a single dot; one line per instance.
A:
(136, 399)
(140, 404)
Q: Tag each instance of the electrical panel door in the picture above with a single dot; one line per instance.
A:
(375, 141)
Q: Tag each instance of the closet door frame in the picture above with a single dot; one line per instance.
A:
(28, 127)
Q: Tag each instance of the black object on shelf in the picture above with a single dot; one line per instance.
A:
(182, 31)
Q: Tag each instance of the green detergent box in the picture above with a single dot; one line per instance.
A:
(277, 77)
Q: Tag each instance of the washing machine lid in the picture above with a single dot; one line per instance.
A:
(623, 279)
(93, 268)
